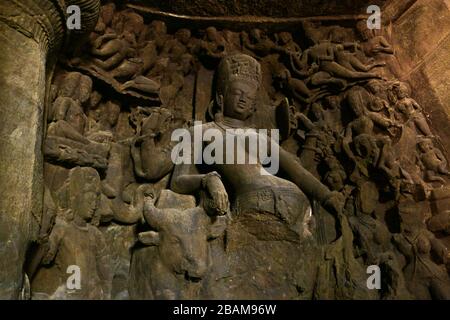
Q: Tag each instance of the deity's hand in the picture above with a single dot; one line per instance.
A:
(335, 202)
(149, 201)
(212, 183)
(144, 200)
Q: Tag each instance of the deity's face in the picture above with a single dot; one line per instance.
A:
(334, 180)
(183, 35)
(211, 33)
(113, 112)
(316, 112)
(285, 37)
(239, 99)
(256, 34)
(94, 99)
(88, 204)
(425, 145)
(401, 91)
(333, 102)
(158, 28)
(76, 118)
(84, 188)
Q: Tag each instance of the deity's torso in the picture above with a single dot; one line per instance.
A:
(250, 190)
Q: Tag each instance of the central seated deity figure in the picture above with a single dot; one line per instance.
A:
(270, 214)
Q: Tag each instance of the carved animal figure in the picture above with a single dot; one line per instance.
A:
(183, 250)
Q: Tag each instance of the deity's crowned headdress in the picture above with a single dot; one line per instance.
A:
(238, 67)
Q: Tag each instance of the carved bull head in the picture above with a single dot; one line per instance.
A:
(182, 237)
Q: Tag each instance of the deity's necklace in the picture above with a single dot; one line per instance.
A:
(224, 124)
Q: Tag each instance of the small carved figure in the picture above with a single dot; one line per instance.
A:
(295, 86)
(258, 42)
(372, 44)
(369, 146)
(324, 55)
(335, 176)
(75, 242)
(66, 141)
(76, 86)
(373, 243)
(112, 49)
(432, 160)
(69, 120)
(177, 46)
(215, 45)
(152, 147)
(410, 109)
(158, 34)
(424, 278)
(351, 62)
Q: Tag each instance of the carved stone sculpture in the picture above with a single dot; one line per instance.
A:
(116, 163)
(74, 241)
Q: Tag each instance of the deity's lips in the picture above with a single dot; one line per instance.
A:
(242, 105)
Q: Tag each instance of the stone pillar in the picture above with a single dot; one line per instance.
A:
(31, 32)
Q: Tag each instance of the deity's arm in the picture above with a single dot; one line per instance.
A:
(351, 45)
(304, 72)
(186, 179)
(99, 41)
(415, 104)
(380, 120)
(346, 142)
(387, 48)
(52, 246)
(305, 56)
(309, 184)
(305, 121)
